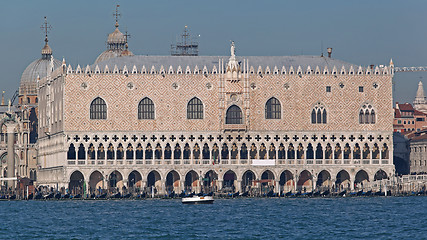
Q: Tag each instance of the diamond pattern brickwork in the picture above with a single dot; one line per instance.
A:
(342, 104)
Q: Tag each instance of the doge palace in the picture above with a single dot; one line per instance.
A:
(193, 123)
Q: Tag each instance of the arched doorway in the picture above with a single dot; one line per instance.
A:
(362, 179)
(286, 182)
(380, 175)
(267, 181)
(115, 181)
(247, 180)
(76, 185)
(324, 180)
(172, 182)
(305, 181)
(96, 182)
(209, 182)
(229, 181)
(343, 180)
(135, 181)
(191, 181)
(154, 180)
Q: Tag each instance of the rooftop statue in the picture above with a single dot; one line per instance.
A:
(233, 49)
(232, 62)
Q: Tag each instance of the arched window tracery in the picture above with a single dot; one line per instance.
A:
(367, 114)
(195, 109)
(234, 115)
(98, 109)
(318, 114)
(273, 109)
(146, 109)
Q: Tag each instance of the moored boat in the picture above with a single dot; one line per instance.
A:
(197, 200)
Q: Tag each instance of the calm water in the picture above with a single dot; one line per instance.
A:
(334, 218)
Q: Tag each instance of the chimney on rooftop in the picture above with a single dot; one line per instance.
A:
(329, 52)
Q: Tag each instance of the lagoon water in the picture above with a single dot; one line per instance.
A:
(302, 218)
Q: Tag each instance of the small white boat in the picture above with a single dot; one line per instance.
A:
(197, 200)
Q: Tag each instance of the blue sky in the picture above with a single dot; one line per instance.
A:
(361, 32)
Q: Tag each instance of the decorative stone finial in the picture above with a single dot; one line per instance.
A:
(117, 15)
(46, 51)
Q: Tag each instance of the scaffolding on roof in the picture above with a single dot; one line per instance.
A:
(186, 47)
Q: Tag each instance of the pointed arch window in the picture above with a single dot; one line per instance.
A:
(313, 116)
(187, 151)
(98, 109)
(324, 116)
(318, 114)
(367, 114)
(319, 117)
(101, 152)
(273, 109)
(234, 115)
(139, 153)
(71, 154)
(361, 117)
(146, 109)
(367, 120)
(224, 151)
(129, 152)
(195, 109)
(81, 155)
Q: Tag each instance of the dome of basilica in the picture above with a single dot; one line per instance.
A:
(39, 67)
(116, 37)
(116, 46)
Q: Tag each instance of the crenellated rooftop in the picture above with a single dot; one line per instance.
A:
(301, 65)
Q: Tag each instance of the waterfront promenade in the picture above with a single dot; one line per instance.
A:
(407, 185)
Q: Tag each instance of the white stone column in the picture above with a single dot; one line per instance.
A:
(163, 190)
(239, 185)
(313, 182)
(125, 184)
(296, 182)
(333, 181)
(86, 188)
(181, 185)
(143, 184)
(11, 171)
(277, 186)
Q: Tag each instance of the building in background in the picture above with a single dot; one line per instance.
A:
(407, 119)
(418, 152)
(410, 126)
(420, 102)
